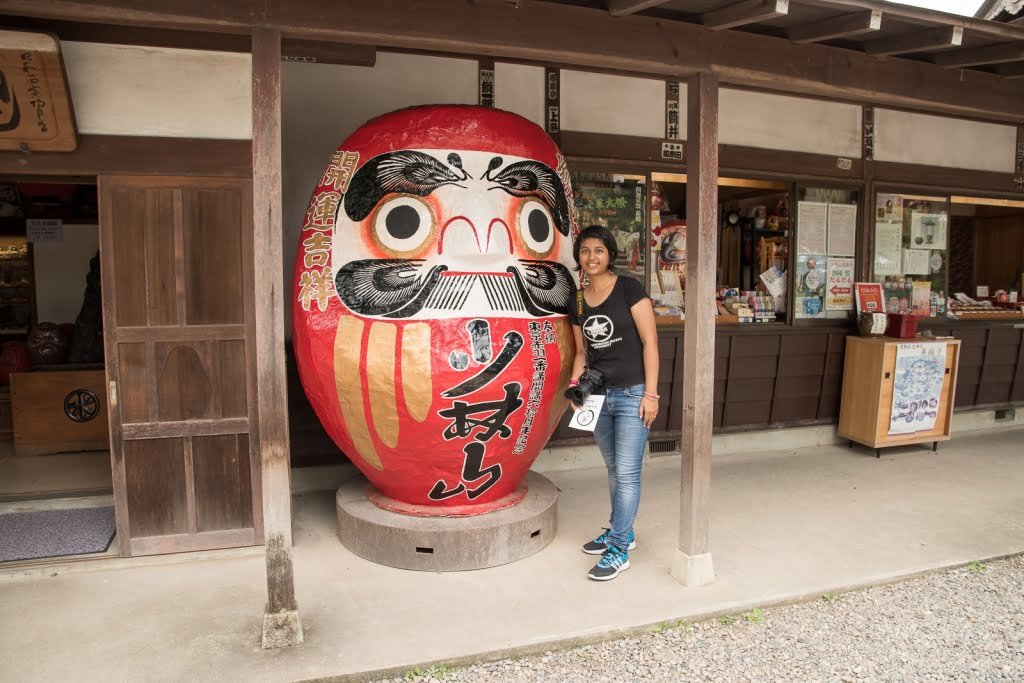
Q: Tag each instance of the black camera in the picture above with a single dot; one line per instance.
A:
(590, 380)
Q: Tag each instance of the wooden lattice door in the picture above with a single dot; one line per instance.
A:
(177, 269)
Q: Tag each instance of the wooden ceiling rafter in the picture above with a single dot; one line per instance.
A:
(916, 41)
(535, 32)
(620, 8)
(980, 56)
(744, 12)
(843, 26)
(1013, 70)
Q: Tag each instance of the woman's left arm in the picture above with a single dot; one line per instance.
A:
(643, 318)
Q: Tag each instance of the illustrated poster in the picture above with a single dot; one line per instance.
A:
(839, 287)
(917, 387)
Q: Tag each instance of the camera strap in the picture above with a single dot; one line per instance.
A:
(579, 314)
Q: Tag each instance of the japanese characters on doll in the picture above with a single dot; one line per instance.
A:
(432, 282)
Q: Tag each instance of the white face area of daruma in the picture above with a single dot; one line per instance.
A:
(428, 234)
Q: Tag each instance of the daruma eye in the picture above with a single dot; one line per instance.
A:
(403, 224)
(536, 227)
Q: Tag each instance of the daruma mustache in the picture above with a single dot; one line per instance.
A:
(404, 288)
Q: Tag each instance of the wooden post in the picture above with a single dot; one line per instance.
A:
(692, 564)
(281, 626)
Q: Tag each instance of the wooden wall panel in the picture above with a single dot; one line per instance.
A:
(222, 482)
(213, 257)
(162, 205)
(128, 211)
(232, 378)
(183, 385)
(157, 497)
(135, 384)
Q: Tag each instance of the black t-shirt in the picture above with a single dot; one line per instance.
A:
(613, 343)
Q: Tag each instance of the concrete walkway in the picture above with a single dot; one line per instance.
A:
(785, 525)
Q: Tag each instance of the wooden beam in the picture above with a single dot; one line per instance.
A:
(742, 13)
(1012, 70)
(918, 41)
(281, 625)
(836, 27)
(131, 155)
(991, 54)
(620, 8)
(536, 32)
(692, 564)
(292, 49)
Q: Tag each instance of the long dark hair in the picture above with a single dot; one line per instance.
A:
(596, 232)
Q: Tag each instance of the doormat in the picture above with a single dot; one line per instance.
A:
(55, 533)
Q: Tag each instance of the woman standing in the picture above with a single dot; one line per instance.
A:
(613, 323)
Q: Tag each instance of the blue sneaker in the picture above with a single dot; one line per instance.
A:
(613, 561)
(600, 544)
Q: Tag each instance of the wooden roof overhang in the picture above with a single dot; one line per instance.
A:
(864, 51)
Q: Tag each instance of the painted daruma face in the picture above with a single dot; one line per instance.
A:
(432, 282)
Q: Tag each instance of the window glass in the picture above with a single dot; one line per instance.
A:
(619, 203)
(825, 260)
(911, 252)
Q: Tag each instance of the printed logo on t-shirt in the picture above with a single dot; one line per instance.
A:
(599, 330)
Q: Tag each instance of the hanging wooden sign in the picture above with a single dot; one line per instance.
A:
(35, 103)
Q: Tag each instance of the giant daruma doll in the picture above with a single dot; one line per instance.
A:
(431, 287)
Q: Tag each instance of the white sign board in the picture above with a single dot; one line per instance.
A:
(44, 229)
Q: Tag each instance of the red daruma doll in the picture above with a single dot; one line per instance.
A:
(431, 288)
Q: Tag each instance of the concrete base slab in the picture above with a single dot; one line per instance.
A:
(693, 570)
(442, 544)
(281, 629)
(785, 525)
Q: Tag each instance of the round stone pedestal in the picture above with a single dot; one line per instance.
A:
(447, 543)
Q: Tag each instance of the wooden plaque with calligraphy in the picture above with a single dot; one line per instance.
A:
(35, 103)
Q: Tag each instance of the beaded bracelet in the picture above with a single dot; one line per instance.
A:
(650, 395)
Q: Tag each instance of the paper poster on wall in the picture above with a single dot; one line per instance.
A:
(921, 298)
(810, 285)
(811, 223)
(916, 261)
(842, 229)
(869, 297)
(839, 287)
(927, 230)
(889, 208)
(44, 229)
(917, 387)
(887, 248)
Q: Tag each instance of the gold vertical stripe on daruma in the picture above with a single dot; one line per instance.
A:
(566, 355)
(348, 342)
(382, 381)
(417, 381)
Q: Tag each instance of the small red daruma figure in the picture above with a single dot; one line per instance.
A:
(431, 285)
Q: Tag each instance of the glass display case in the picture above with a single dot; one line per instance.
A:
(17, 290)
(826, 253)
(911, 252)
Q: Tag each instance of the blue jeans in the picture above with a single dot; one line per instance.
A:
(621, 436)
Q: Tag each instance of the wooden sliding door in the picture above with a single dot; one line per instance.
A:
(177, 269)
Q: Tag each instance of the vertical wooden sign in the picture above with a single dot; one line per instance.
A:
(868, 134)
(553, 102)
(1018, 161)
(486, 83)
(35, 103)
(672, 145)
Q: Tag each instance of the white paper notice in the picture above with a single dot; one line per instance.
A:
(842, 229)
(585, 417)
(774, 281)
(811, 221)
(887, 248)
(915, 261)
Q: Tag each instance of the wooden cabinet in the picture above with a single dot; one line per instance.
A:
(869, 377)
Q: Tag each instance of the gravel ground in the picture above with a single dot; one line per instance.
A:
(965, 624)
